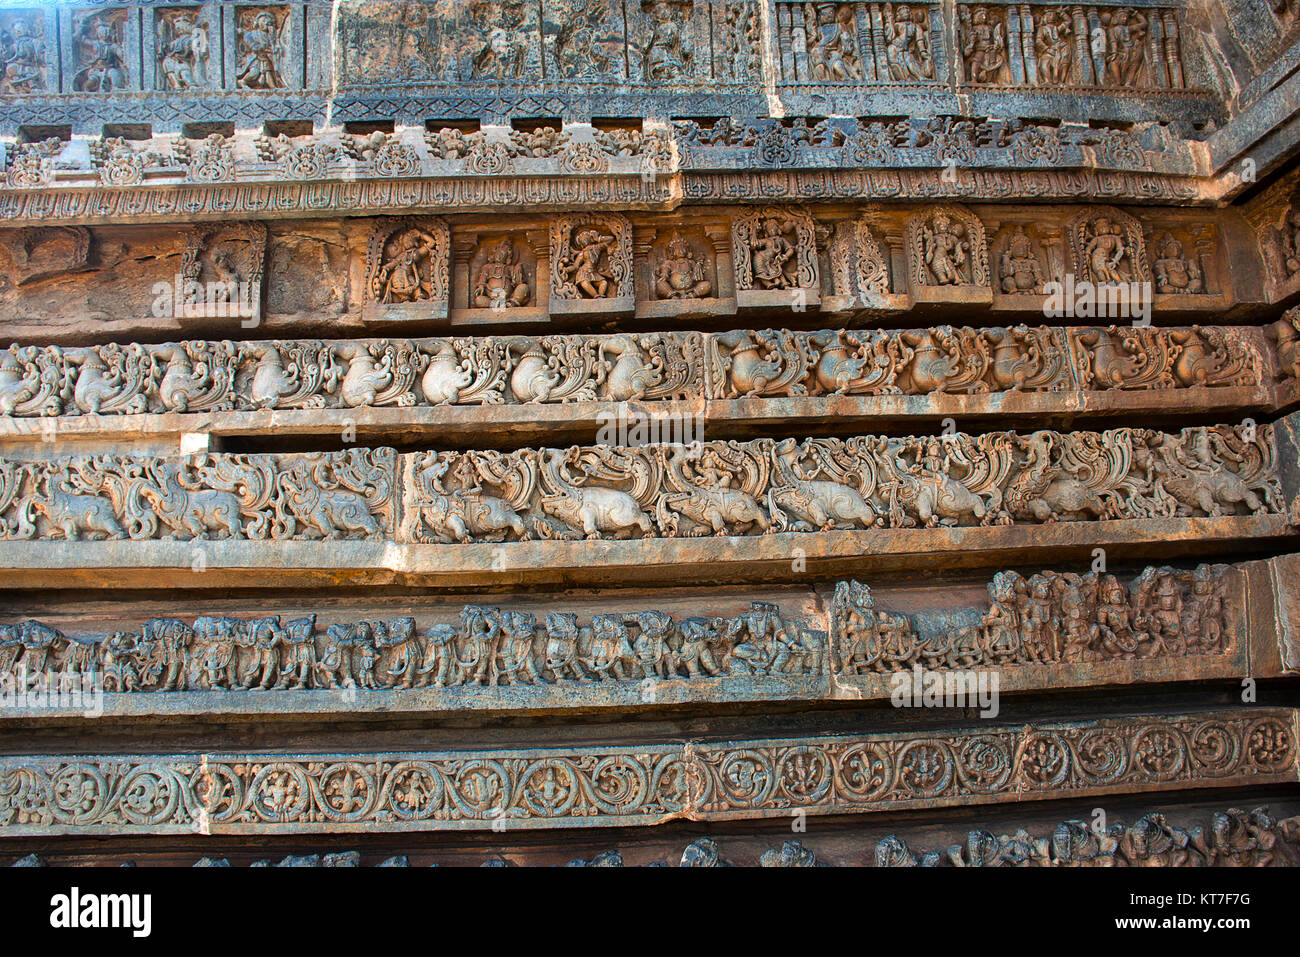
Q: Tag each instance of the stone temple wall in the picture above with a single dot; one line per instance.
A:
(609, 430)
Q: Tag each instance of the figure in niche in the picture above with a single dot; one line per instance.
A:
(908, 51)
(774, 258)
(105, 66)
(1124, 44)
(407, 272)
(1106, 249)
(500, 282)
(985, 50)
(668, 54)
(589, 263)
(946, 253)
(1174, 274)
(502, 55)
(184, 48)
(1021, 271)
(23, 60)
(258, 65)
(681, 274)
(1052, 44)
(834, 53)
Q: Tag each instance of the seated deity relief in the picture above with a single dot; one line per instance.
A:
(591, 265)
(1181, 261)
(220, 275)
(502, 275)
(1020, 261)
(679, 276)
(407, 270)
(947, 256)
(774, 252)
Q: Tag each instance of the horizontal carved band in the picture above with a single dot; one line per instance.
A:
(635, 657)
(1232, 838)
(224, 201)
(626, 786)
(199, 376)
(749, 488)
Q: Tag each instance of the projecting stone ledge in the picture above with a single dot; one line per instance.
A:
(639, 785)
(221, 564)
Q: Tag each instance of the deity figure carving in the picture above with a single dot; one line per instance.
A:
(582, 38)
(407, 261)
(182, 51)
(773, 257)
(833, 53)
(500, 282)
(587, 266)
(504, 52)
(1022, 272)
(668, 54)
(1174, 273)
(908, 52)
(1108, 247)
(1054, 47)
(22, 56)
(100, 57)
(591, 257)
(984, 46)
(947, 248)
(1125, 33)
(681, 273)
(260, 52)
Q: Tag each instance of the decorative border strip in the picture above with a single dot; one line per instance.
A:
(637, 786)
(981, 366)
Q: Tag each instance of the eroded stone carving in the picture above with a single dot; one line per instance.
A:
(1234, 838)
(260, 45)
(182, 50)
(98, 50)
(1045, 619)
(908, 51)
(22, 54)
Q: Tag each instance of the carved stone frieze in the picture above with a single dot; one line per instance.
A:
(199, 376)
(641, 785)
(1234, 838)
(206, 496)
(1048, 618)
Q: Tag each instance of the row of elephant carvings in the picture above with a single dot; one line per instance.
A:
(1046, 618)
(647, 783)
(675, 490)
(202, 376)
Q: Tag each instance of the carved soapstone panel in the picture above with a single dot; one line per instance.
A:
(407, 271)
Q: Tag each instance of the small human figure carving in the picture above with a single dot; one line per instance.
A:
(588, 263)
